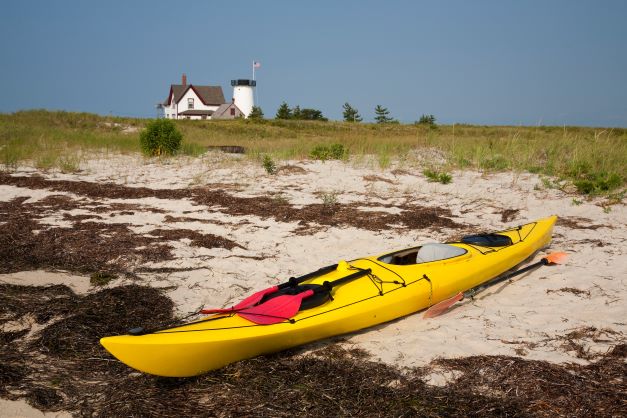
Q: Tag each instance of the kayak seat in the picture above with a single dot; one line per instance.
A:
(436, 251)
(426, 253)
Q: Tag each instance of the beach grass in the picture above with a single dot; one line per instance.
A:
(591, 159)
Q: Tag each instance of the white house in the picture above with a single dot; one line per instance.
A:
(188, 101)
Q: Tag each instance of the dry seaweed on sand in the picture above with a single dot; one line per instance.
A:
(64, 367)
(263, 206)
(88, 246)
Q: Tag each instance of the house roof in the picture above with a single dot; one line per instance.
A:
(196, 112)
(209, 95)
(223, 108)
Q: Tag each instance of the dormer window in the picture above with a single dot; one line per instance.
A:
(190, 103)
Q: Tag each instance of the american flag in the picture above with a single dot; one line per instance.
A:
(256, 64)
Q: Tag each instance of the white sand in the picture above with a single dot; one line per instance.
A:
(526, 317)
(20, 409)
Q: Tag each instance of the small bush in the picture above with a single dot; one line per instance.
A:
(256, 113)
(331, 152)
(445, 178)
(268, 164)
(578, 169)
(428, 120)
(598, 183)
(437, 176)
(329, 202)
(160, 138)
(337, 151)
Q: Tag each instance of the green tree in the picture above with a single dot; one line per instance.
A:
(284, 112)
(426, 120)
(296, 112)
(382, 114)
(256, 113)
(311, 114)
(350, 113)
(160, 138)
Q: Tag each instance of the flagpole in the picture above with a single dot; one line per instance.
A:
(253, 69)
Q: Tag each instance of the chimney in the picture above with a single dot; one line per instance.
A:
(184, 80)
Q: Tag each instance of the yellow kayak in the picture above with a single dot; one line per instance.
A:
(378, 289)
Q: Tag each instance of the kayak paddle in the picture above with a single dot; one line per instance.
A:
(255, 298)
(284, 307)
(439, 308)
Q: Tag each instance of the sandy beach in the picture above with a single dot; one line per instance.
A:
(208, 231)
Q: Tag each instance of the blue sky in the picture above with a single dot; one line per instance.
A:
(483, 62)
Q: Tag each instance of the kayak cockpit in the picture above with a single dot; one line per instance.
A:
(424, 254)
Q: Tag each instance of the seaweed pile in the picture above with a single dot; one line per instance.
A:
(62, 367)
(411, 216)
(89, 245)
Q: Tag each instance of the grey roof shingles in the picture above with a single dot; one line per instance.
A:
(210, 95)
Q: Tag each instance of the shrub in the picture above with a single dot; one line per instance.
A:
(310, 114)
(428, 120)
(437, 176)
(598, 183)
(256, 113)
(268, 164)
(445, 178)
(331, 152)
(296, 113)
(160, 137)
(329, 202)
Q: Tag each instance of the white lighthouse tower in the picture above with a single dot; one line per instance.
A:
(243, 95)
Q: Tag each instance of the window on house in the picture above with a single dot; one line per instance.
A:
(232, 111)
(204, 116)
(190, 103)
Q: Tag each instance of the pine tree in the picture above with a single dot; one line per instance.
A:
(256, 113)
(382, 114)
(350, 114)
(284, 112)
(296, 113)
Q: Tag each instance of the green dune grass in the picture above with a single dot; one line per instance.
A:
(593, 159)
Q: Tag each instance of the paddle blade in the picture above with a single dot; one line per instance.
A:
(246, 303)
(556, 258)
(278, 309)
(441, 307)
